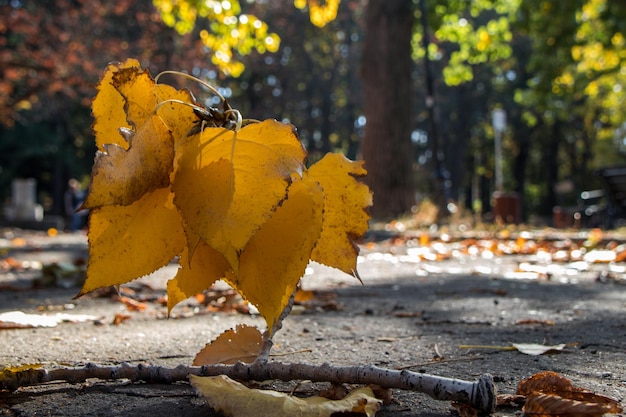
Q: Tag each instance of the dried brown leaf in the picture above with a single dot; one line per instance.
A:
(240, 344)
(550, 405)
(546, 382)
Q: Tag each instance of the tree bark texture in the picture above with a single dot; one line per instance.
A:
(386, 76)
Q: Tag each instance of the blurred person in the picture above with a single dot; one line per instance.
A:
(74, 197)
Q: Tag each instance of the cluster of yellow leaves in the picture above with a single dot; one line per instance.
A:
(237, 205)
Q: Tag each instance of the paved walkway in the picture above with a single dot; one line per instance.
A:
(414, 311)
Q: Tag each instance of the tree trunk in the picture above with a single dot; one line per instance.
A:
(386, 75)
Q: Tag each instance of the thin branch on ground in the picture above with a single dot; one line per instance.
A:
(480, 394)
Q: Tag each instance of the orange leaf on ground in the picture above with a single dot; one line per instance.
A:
(550, 394)
(552, 405)
(241, 344)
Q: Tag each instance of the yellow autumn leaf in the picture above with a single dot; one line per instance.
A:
(345, 210)
(241, 344)
(178, 117)
(273, 261)
(196, 274)
(236, 400)
(121, 177)
(235, 204)
(137, 88)
(128, 242)
(108, 108)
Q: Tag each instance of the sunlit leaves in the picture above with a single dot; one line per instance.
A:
(121, 177)
(457, 23)
(108, 108)
(244, 176)
(321, 12)
(226, 204)
(344, 219)
(127, 242)
(228, 32)
(276, 256)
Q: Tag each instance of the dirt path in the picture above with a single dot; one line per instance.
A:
(410, 315)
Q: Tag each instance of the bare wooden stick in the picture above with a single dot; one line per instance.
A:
(480, 394)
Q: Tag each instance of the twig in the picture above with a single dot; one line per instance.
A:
(267, 343)
(492, 347)
(439, 361)
(480, 394)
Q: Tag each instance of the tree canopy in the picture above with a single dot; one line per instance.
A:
(555, 67)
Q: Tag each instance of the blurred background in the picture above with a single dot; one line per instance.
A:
(492, 109)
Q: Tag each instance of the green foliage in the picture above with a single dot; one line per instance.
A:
(467, 34)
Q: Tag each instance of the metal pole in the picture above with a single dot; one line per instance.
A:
(499, 124)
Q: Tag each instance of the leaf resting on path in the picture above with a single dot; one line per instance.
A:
(236, 400)
(550, 394)
(242, 343)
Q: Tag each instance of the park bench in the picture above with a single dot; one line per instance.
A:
(607, 206)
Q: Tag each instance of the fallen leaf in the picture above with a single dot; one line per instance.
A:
(132, 305)
(551, 394)
(241, 344)
(546, 382)
(535, 321)
(551, 405)
(536, 349)
(303, 296)
(236, 400)
(119, 318)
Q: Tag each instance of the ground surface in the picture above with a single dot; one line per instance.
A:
(411, 313)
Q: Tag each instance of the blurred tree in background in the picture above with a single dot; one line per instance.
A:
(352, 75)
(52, 54)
